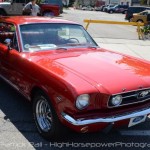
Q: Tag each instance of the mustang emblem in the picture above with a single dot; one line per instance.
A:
(143, 94)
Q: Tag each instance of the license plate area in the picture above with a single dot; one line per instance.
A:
(137, 120)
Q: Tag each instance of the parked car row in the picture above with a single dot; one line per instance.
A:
(133, 13)
(113, 8)
(118, 9)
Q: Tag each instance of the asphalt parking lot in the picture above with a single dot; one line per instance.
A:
(17, 129)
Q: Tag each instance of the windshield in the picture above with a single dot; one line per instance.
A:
(116, 6)
(111, 5)
(6, 1)
(50, 36)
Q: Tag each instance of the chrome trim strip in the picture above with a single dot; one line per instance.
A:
(82, 121)
(129, 103)
(127, 97)
(10, 83)
(15, 87)
(140, 89)
(130, 96)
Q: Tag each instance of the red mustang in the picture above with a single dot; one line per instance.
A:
(69, 79)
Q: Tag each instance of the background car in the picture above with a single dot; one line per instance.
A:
(100, 8)
(118, 9)
(90, 8)
(108, 7)
(134, 9)
(14, 7)
(143, 16)
(55, 2)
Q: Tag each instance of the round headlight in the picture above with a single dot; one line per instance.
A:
(82, 101)
(116, 100)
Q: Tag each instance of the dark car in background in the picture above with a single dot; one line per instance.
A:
(118, 9)
(134, 9)
(55, 2)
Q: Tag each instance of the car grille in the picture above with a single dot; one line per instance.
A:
(132, 97)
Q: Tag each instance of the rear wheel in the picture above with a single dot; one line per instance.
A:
(130, 19)
(124, 12)
(45, 117)
(48, 14)
(139, 21)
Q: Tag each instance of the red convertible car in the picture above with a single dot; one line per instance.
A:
(69, 79)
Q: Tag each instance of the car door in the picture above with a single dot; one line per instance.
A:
(9, 63)
(122, 8)
(14, 68)
(9, 57)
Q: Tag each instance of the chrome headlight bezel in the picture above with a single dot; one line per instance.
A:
(116, 100)
(82, 101)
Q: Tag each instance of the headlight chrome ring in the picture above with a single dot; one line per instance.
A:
(116, 100)
(82, 101)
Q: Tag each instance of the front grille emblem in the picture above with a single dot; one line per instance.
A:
(143, 94)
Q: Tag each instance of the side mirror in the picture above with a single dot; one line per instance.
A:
(8, 43)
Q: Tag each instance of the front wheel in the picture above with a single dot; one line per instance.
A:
(110, 11)
(45, 117)
(130, 19)
(124, 12)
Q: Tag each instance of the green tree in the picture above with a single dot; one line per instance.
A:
(40, 1)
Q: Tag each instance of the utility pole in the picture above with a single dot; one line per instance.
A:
(148, 2)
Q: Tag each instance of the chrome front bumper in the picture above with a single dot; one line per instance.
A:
(82, 121)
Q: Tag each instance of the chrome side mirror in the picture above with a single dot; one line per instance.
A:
(8, 43)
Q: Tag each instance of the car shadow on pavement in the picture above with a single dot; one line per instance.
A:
(15, 109)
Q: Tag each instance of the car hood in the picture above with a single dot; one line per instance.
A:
(112, 71)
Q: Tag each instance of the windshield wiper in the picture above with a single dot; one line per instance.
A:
(93, 47)
(61, 48)
(74, 44)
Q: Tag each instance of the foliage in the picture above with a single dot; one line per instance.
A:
(143, 2)
(146, 30)
(40, 1)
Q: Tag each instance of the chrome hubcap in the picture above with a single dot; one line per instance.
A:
(43, 114)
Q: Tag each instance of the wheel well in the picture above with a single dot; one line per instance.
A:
(40, 90)
(139, 20)
(35, 90)
(47, 11)
(111, 11)
(124, 11)
(3, 11)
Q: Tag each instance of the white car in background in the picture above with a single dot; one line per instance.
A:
(11, 7)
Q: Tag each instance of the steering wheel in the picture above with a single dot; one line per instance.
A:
(73, 40)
